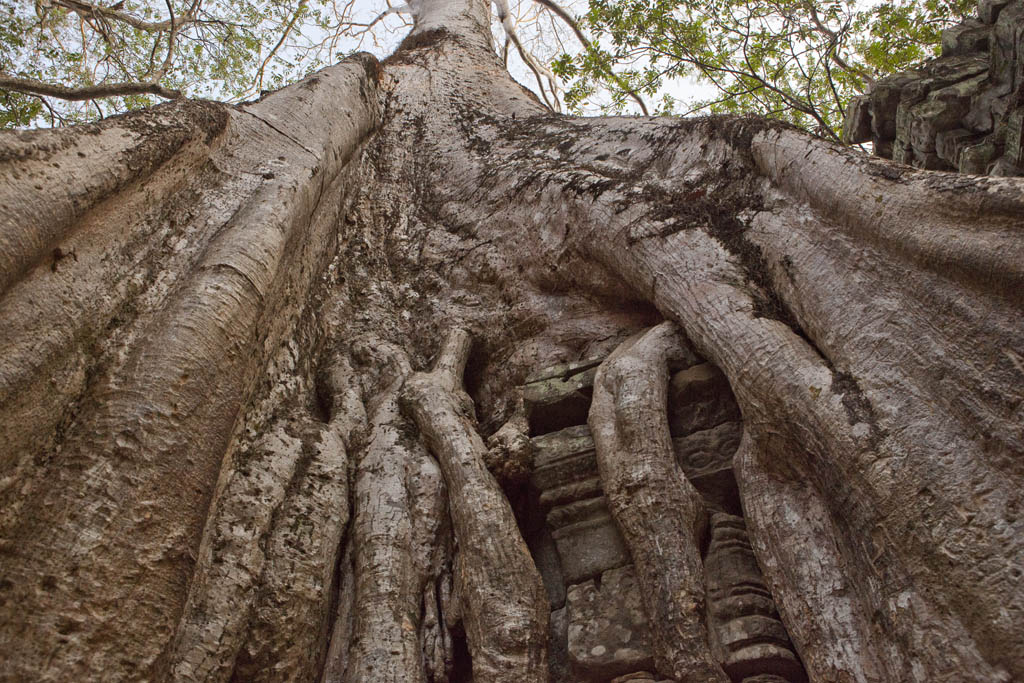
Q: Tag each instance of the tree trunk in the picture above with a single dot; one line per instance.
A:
(225, 457)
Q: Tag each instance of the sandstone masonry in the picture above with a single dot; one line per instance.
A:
(963, 111)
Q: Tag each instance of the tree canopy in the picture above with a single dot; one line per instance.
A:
(67, 61)
(797, 60)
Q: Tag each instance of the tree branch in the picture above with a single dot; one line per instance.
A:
(88, 9)
(280, 42)
(621, 82)
(89, 92)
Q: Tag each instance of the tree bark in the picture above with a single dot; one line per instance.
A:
(178, 284)
(506, 611)
(662, 516)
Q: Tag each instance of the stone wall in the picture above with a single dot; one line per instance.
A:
(599, 630)
(963, 111)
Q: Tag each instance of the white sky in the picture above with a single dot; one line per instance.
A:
(545, 35)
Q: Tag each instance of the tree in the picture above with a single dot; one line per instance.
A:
(251, 355)
(71, 61)
(795, 60)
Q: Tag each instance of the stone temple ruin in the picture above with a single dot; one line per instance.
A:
(963, 111)
(599, 630)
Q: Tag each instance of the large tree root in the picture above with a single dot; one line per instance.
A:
(817, 430)
(399, 507)
(661, 515)
(504, 602)
(295, 471)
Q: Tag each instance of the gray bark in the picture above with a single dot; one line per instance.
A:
(176, 286)
(506, 610)
(659, 512)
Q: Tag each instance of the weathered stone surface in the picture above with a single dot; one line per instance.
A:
(970, 36)
(580, 525)
(970, 89)
(977, 158)
(560, 400)
(1004, 167)
(699, 398)
(1015, 136)
(635, 676)
(641, 677)
(545, 556)
(608, 631)
(558, 653)
(744, 624)
(591, 545)
(709, 450)
(563, 456)
(942, 110)
(706, 459)
(562, 370)
(574, 491)
(857, 122)
(885, 98)
(950, 144)
(988, 10)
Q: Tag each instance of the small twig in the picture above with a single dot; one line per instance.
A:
(162, 71)
(280, 42)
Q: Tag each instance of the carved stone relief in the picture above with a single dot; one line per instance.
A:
(599, 630)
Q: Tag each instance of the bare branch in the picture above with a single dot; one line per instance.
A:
(564, 15)
(89, 92)
(280, 42)
(162, 71)
(89, 10)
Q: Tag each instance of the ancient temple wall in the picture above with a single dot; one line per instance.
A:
(963, 111)
(599, 630)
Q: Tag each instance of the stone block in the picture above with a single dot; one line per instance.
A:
(1005, 168)
(949, 144)
(545, 557)
(562, 457)
(562, 370)
(1015, 136)
(882, 148)
(641, 677)
(708, 450)
(857, 120)
(589, 543)
(969, 36)
(562, 400)
(988, 10)
(558, 650)
(885, 98)
(977, 158)
(744, 626)
(608, 631)
(902, 152)
(706, 459)
(943, 110)
(987, 108)
(931, 161)
(1005, 46)
(562, 496)
(699, 398)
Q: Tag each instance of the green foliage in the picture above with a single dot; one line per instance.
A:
(222, 49)
(797, 60)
